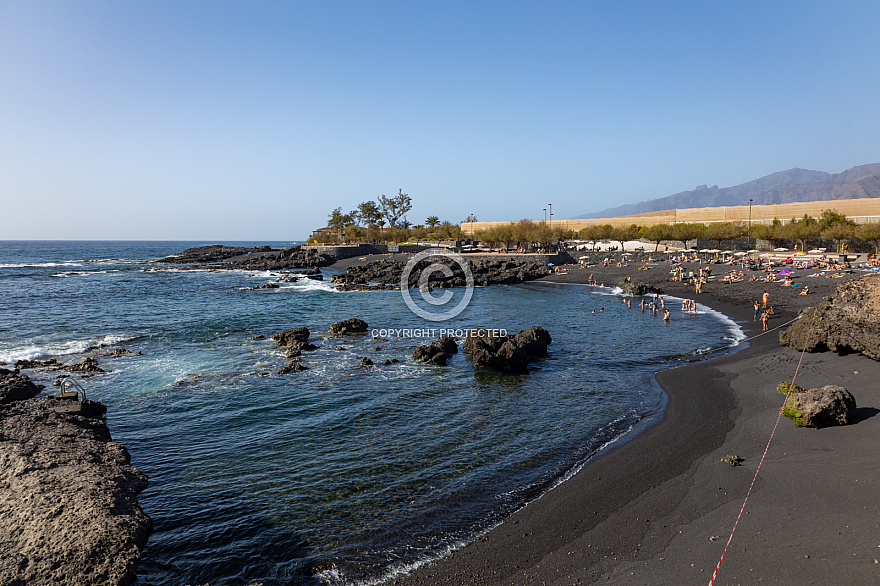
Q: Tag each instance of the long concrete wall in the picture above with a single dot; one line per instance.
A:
(860, 210)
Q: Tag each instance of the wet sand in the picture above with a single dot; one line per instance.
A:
(659, 508)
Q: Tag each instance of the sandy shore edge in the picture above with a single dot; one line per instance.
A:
(659, 509)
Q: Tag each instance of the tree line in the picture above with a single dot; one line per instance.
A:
(385, 220)
(830, 225)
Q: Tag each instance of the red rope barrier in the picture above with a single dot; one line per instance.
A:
(764, 455)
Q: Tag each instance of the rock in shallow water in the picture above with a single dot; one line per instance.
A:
(438, 352)
(508, 353)
(349, 326)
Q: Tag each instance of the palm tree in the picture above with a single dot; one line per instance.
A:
(432, 221)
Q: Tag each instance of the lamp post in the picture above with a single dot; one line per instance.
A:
(750, 224)
(545, 216)
(550, 206)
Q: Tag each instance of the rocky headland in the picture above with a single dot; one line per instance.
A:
(69, 513)
(264, 258)
(847, 321)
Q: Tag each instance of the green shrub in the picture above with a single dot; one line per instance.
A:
(731, 459)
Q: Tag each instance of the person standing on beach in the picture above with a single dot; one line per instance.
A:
(757, 309)
(765, 319)
(765, 298)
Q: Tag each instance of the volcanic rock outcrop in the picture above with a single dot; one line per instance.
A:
(385, 274)
(69, 513)
(847, 321)
(16, 387)
(264, 258)
(487, 348)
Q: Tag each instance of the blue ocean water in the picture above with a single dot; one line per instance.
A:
(339, 474)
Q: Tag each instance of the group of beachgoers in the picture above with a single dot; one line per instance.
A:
(763, 311)
(656, 305)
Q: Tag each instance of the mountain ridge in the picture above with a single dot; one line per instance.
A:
(793, 185)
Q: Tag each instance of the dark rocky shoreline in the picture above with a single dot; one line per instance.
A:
(264, 258)
(387, 274)
(69, 513)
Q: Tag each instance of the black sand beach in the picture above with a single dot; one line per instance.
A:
(659, 509)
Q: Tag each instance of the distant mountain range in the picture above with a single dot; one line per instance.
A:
(789, 186)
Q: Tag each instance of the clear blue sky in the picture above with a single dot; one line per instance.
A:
(253, 120)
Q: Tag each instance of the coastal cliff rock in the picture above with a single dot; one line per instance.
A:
(387, 274)
(849, 320)
(822, 407)
(506, 353)
(68, 500)
(437, 352)
(16, 387)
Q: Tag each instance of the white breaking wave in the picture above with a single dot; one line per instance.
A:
(66, 263)
(34, 350)
(306, 284)
(82, 273)
(736, 332)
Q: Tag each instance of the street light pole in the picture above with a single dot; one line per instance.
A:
(750, 224)
(550, 206)
(545, 216)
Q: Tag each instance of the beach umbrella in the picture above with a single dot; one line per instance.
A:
(740, 253)
(584, 258)
(727, 252)
(753, 251)
(780, 249)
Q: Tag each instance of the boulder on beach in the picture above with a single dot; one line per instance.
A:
(822, 407)
(848, 321)
(69, 513)
(349, 326)
(16, 387)
(488, 348)
(437, 352)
